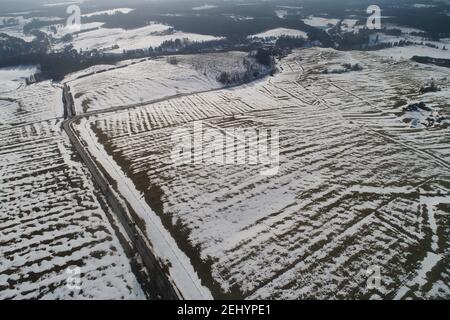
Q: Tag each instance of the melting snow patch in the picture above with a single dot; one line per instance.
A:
(418, 115)
(281, 13)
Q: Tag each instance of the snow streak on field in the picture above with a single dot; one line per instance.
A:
(50, 219)
(357, 188)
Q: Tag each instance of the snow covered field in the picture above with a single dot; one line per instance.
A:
(358, 187)
(51, 221)
(16, 29)
(13, 78)
(279, 32)
(408, 52)
(108, 12)
(321, 22)
(152, 35)
(152, 79)
(204, 7)
(24, 106)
